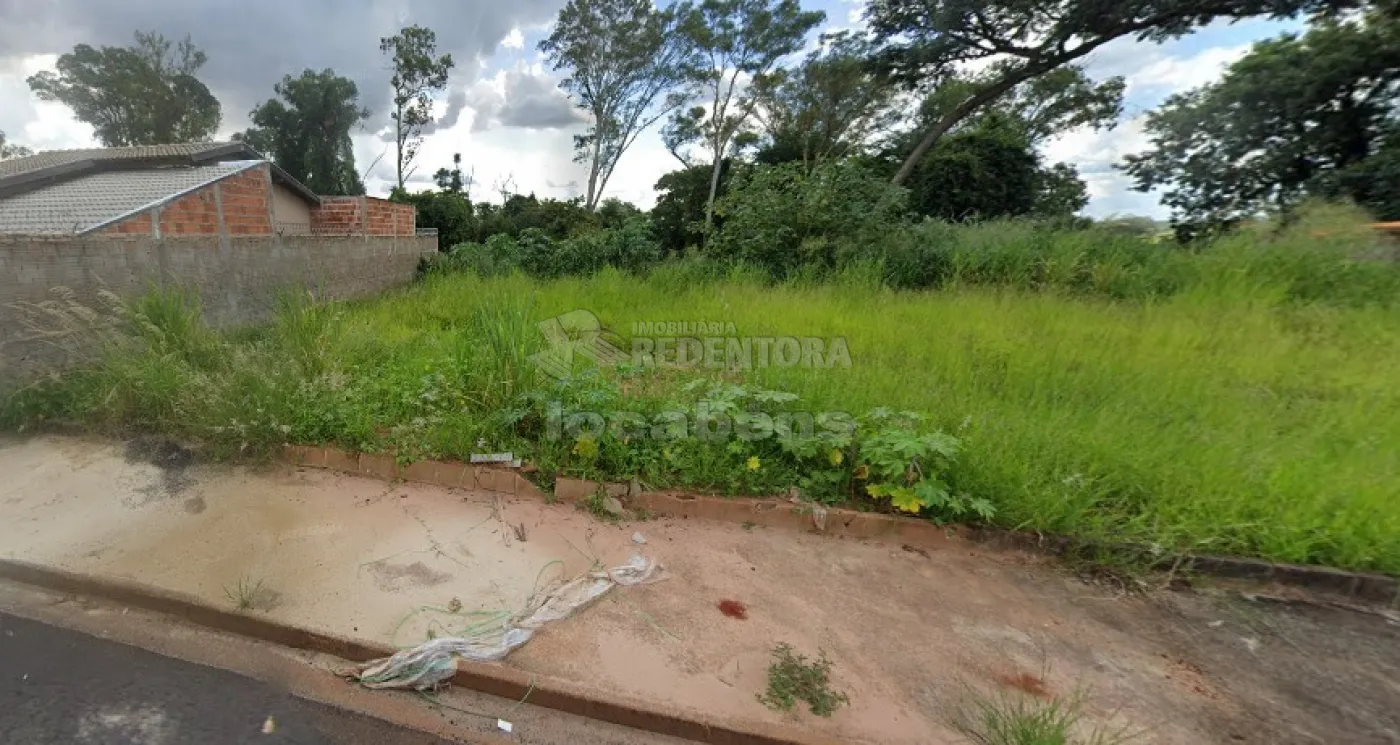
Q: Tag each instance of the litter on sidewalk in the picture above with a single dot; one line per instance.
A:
(433, 662)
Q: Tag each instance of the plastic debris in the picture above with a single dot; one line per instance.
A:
(819, 517)
(494, 458)
(504, 726)
(434, 662)
(639, 539)
(269, 726)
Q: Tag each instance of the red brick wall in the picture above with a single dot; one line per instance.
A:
(244, 197)
(338, 216)
(138, 223)
(389, 218)
(196, 213)
(246, 201)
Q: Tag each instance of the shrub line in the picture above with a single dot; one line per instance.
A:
(843, 523)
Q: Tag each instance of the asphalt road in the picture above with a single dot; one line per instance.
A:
(59, 686)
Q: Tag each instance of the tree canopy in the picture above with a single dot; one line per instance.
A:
(307, 131)
(926, 41)
(144, 94)
(831, 105)
(418, 73)
(622, 58)
(734, 45)
(1316, 113)
(11, 150)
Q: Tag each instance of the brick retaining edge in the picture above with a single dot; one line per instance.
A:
(894, 529)
(493, 679)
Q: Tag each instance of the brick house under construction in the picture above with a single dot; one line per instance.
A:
(217, 188)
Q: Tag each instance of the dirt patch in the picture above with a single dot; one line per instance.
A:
(398, 577)
(173, 462)
(195, 505)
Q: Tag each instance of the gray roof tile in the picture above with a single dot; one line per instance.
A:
(82, 203)
(141, 152)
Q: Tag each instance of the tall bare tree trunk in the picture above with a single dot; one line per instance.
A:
(591, 202)
(714, 187)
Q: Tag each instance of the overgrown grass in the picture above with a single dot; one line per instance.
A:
(1244, 399)
(1012, 718)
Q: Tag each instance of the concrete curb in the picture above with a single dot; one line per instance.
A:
(777, 513)
(496, 680)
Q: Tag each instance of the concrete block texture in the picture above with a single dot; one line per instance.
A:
(57, 294)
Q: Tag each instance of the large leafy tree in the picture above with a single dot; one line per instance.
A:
(1043, 107)
(622, 58)
(144, 94)
(829, 106)
(419, 72)
(734, 45)
(928, 40)
(988, 165)
(307, 130)
(1316, 113)
(10, 150)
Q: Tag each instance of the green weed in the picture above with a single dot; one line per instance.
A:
(791, 678)
(244, 593)
(1013, 718)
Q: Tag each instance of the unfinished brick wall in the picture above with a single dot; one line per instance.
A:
(243, 196)
(237, 279)
(338, 216)
(247, 201)
(388, 218)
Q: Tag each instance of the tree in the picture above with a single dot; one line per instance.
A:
(10, 150)
(307, 133)
(145, 94)
(730, 40)
(418, 74)
(828, 107)
(1310, 114)
(980, 172)
(622, 57)
(681, 201)
(1043, 107)
(927, 40)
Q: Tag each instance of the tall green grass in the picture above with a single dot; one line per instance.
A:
(1249, 404)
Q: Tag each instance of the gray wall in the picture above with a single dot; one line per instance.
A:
(45, 283)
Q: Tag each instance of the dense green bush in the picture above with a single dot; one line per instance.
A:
(786, 219)
(629, 247)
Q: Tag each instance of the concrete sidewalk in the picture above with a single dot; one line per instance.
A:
(909, 633)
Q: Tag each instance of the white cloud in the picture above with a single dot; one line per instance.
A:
(514, 40)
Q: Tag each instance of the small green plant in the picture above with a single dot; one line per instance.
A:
(597, 505)
(244, 593)
(791, 678)
(1014, 718)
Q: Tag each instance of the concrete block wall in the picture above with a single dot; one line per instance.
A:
(237, 278)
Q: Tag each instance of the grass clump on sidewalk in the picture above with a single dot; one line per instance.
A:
(791, 678)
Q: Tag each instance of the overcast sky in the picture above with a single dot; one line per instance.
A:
(503, 111)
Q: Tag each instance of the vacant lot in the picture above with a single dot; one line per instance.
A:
(1229, 415)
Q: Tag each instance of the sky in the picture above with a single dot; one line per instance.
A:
(503, 110)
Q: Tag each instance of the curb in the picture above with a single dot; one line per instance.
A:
(778, 513)
(492, 679)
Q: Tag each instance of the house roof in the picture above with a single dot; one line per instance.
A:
(192, 153)
(20, 175)
(93, 200)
